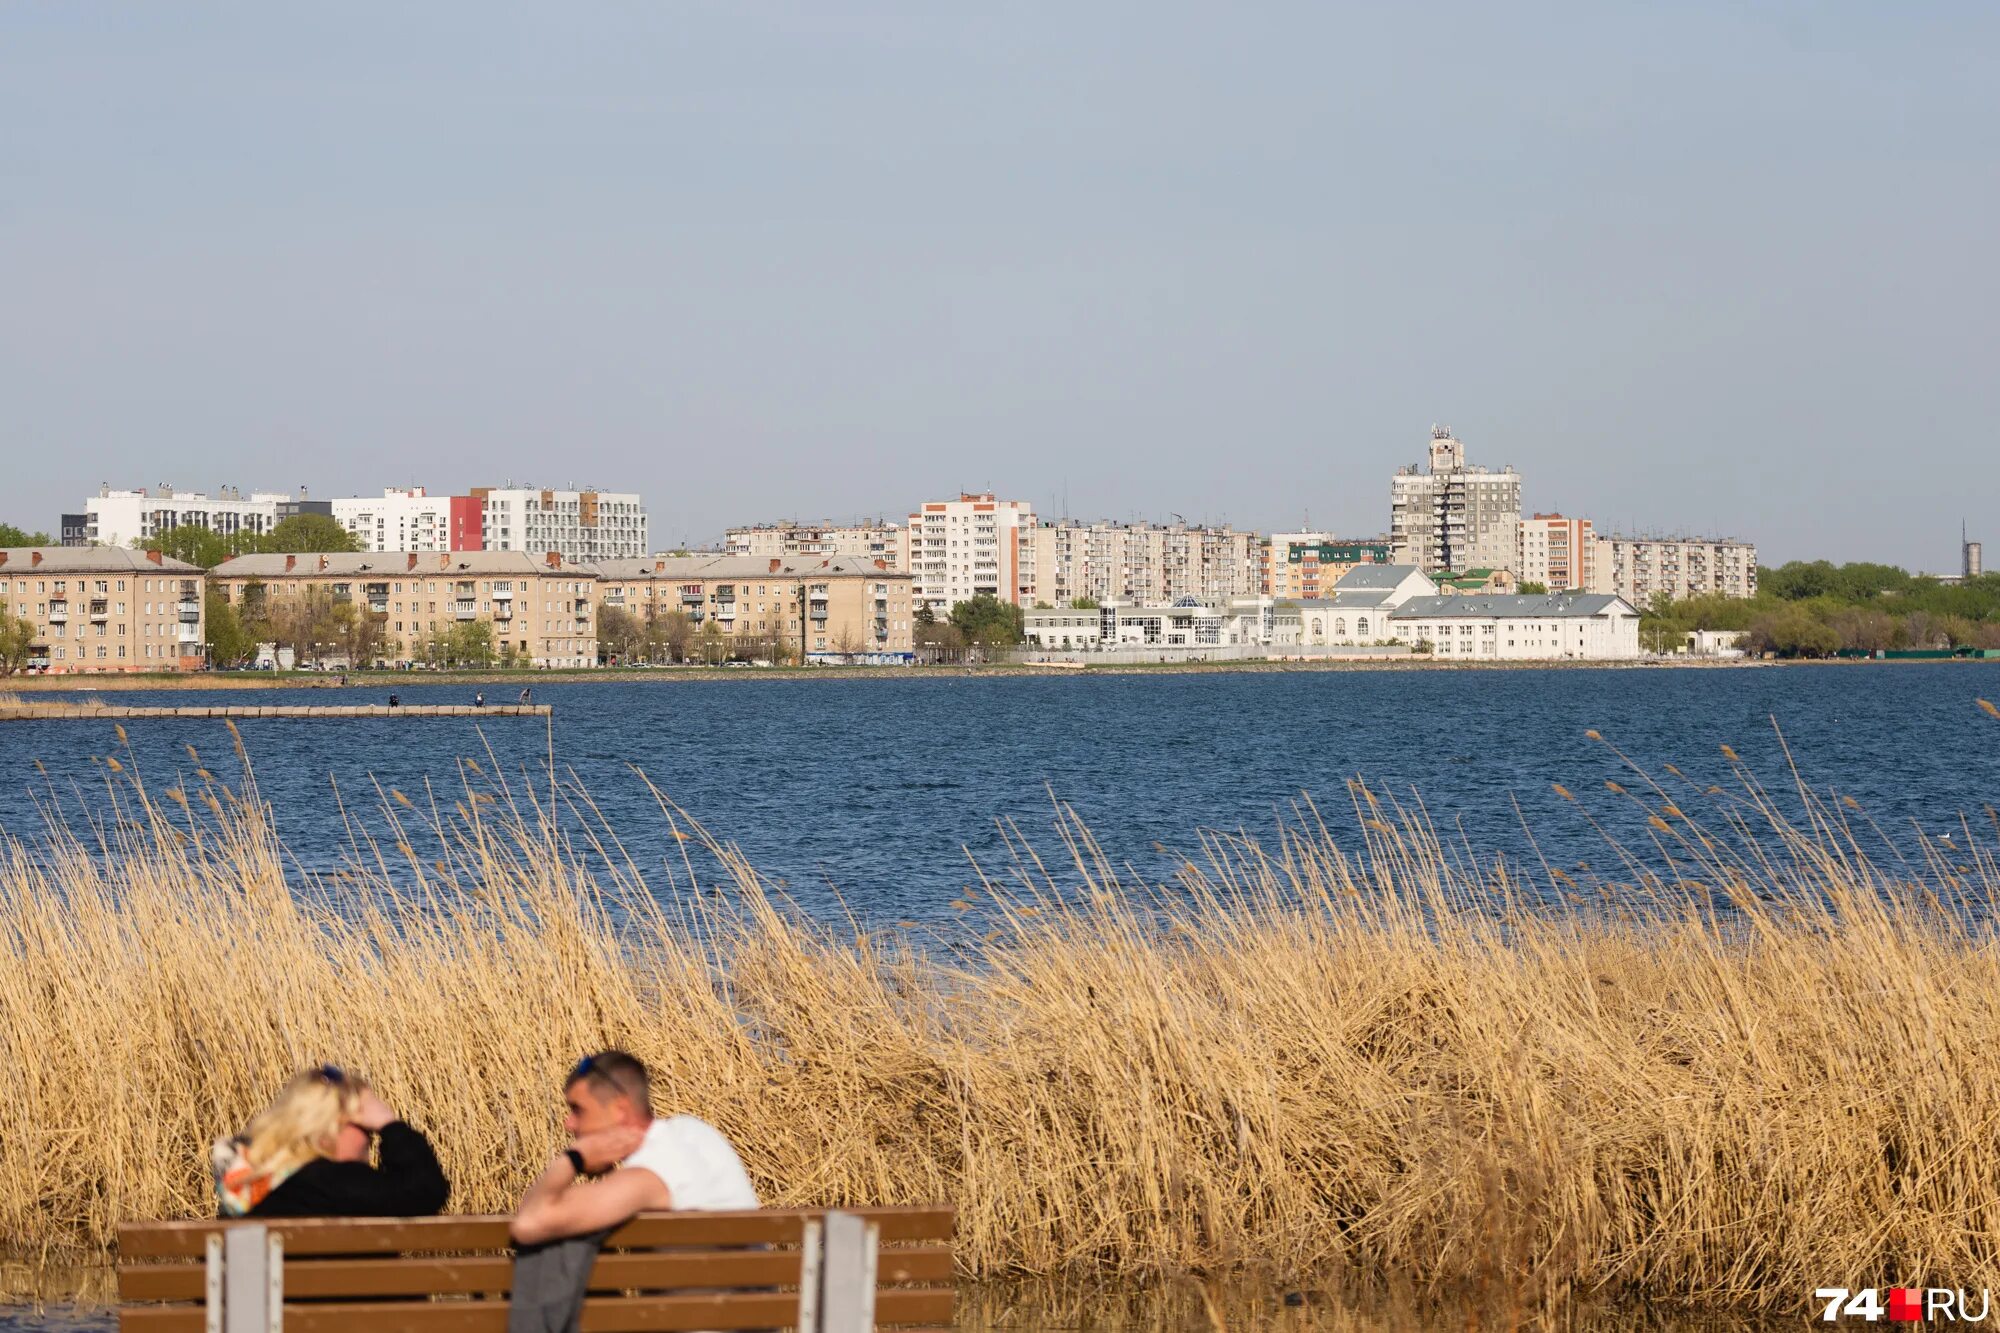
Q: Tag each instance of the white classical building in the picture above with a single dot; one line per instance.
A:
(1596, 627)
(1358, 610)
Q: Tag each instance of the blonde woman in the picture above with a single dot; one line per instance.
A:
(306, 1155)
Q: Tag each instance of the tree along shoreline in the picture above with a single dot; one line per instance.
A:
(1817, 609)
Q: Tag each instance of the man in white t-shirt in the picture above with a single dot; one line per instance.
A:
(681, 1162)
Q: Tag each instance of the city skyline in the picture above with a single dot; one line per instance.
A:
(1114, 266)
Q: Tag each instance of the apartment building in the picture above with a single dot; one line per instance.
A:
(887, 542)
(412, 520)
(1141, 563)
(970, 547)
(1308, 564)
(1559, 553)
(823, 608)
(1555, 627)
(583, 527)
(1453, 516)
(105, 608)
(118, 518)
(1639, 568)
(542, 610)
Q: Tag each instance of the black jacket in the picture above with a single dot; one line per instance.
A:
(409, 1183)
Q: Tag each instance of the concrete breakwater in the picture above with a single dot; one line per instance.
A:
(47, 712)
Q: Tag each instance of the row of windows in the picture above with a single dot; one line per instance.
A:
(61, 586)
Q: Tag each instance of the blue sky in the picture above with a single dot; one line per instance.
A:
(1689, 267)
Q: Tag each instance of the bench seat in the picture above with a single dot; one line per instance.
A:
(661, 1271)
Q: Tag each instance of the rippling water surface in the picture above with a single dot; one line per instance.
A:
(879, 788)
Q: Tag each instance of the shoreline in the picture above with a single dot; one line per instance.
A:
(271, 680)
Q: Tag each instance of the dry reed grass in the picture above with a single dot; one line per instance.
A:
(1766, 1066)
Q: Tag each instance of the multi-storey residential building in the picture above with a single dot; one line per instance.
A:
(1308, 564)
(970, 547)
(581, 526)
(887, 542)
(105, 609)
(118, 518)
(1559, 553)
(542, 609)
(823, 608)
(1141, 563)
(1454, 517)
(1639, 568)
(412, 520)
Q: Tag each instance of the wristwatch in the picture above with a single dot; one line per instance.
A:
(576, 1160)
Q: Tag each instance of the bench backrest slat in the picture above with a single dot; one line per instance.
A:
(458, 1235)
(484, 1274)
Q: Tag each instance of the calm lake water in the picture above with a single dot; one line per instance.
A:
(880, 788)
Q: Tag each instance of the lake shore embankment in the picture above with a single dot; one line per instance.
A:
(292, 680)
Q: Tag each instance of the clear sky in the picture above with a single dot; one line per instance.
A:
(1703, 267)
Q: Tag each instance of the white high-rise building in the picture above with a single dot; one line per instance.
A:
(117, 518)
(584, 526)
(1561, 554)
(969, 547)
(411, 520)
(1453, 518)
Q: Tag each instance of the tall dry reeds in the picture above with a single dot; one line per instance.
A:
(1761, 1061)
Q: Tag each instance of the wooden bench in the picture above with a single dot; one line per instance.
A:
(773, 1268)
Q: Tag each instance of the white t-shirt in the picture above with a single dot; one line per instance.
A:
(697, 1165)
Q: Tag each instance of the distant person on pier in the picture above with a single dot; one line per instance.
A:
(392, 701)
(306, 1155)
(524, 696)
(479, 699)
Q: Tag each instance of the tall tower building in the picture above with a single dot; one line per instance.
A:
(1454, 517)
(1973, 555)
(969, 547)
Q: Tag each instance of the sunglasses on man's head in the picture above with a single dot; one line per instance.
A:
(331, 1073)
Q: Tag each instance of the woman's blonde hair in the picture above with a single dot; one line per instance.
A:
(301, 1123)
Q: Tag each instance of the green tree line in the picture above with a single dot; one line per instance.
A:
(299, 534)
(1817, 609)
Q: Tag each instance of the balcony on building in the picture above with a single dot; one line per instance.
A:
(100, 609)
(59, 611)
